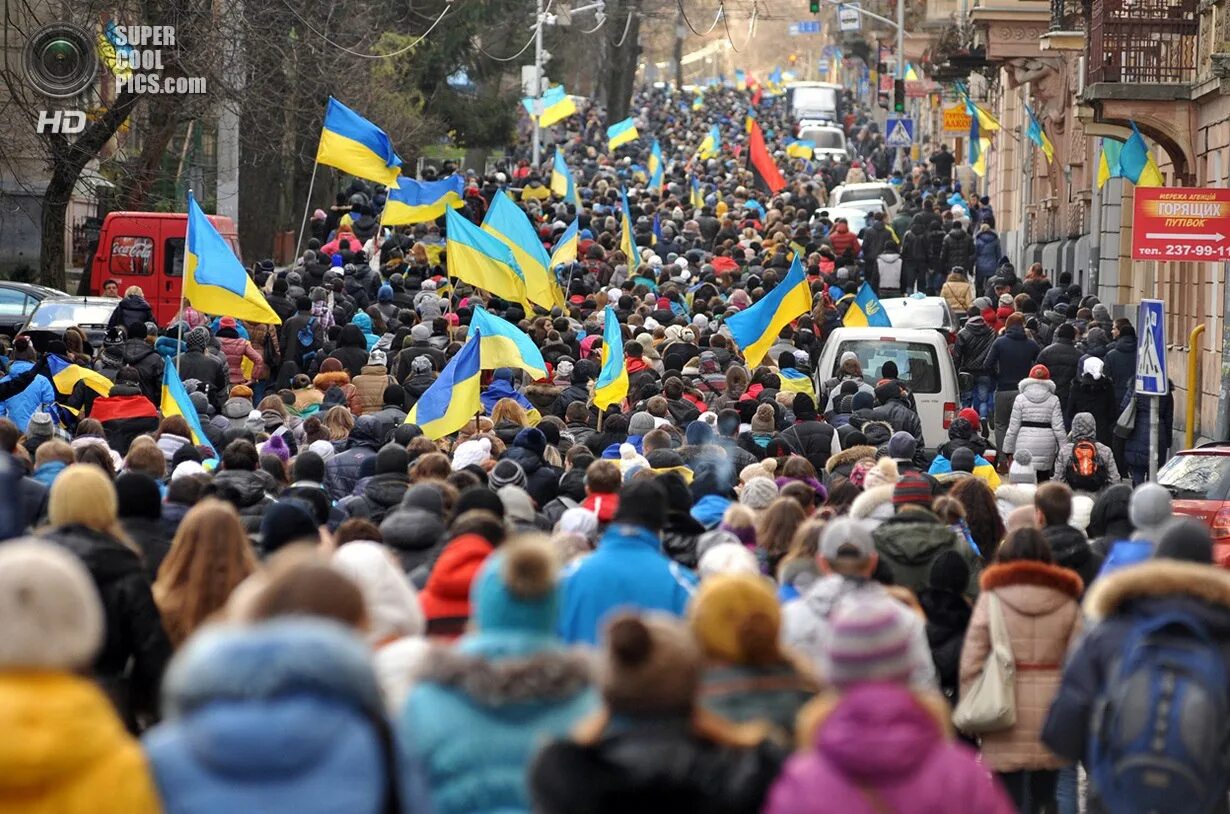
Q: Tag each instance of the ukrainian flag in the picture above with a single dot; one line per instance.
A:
(565, 251)
(911, 75)
(65, 375)
(215, 282)
(1038, 136)
(698, 197)
(453, 398)
(354, 145)
(561, 180)
(505, 345)
(755, 329)
(712, 145)
(1108, 161)
(175, 401)
(775, 78)
(557, 105)
(1136, 163)
(621, 133)
(612, 385)
(699, 102)
(414, 201)
(512, 227)
(482, 260)
(796, 382)
(740, 79)
(801, 148)
(866, 310)
(657, 167)
(627, 243)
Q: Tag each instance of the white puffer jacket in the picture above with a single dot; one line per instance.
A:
(1037, 423)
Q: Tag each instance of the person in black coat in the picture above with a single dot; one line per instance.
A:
(140, 512)
(137, 353)
(1010, 359)
(345, 469)
(1060, 358)
(895, 411)
(1121, 361)
(351, 349)
(948, 612)
(541, 480)
(132, 310)
(957, 249)
(194, 363)
(810, 436)
(1053, 505)
(1093, 393)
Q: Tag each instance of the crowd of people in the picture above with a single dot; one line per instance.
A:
(727, 592)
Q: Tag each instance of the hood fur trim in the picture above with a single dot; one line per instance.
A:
(1155, 578)
(549, 675)
(850, 456)
(870, 500)
(1031, 572)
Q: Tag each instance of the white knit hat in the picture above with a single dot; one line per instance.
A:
(475, 452)
(50, 613)
(392, 603)
(1022, 469)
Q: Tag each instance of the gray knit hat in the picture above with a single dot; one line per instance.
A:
(1021, 470)
(641, 423)
(1149, 509)
(506, 473)
(197, 339)
(51, 615)
(869, 640)
(40, 425)
(758, 493)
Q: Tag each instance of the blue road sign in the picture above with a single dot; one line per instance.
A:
(899, 133)
(1151, 349)
(804, 27)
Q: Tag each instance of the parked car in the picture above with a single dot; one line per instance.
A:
(1199, 484)
(865, 195)
(54, 314)
(829, 139)
(932, 313)
(18, 300)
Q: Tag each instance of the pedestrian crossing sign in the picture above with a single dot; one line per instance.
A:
(899, 133)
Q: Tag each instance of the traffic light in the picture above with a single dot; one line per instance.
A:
(898, 95)
(814, 5)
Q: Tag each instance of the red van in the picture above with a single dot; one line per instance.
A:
(147, 249)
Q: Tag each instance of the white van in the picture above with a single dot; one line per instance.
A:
(923, 365)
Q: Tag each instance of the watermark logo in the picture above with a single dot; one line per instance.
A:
(67, 122)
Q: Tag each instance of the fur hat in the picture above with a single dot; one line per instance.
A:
(516, 590)
(475, 452)
(884, 473)
(51, 615)
(758, 493)
(736, 618)
(650, 664)
(730, 557)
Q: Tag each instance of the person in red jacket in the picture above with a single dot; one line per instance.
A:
(602, 481)
(843, 241)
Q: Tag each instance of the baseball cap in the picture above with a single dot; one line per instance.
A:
(844, 537)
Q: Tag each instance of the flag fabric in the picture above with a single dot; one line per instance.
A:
(911, 75)
(482, 260)
(626, 241)
(1136, 162)
(565, 251)
(562, 183)
(657, 228)
(454, 397)
(1108, 161)
(175, 401)
(740, 79)
(612, 385)
(866, 310)
(512, 227)
(354, 145)
(760, 161)
(505, 345)
(775, 78)
(557, 105)
(697, 196)
(621, 133)
(1038, 136)
(699, 102)
(801, 148)
(796, 382)
(755, 329)
(712, 144)
(657, 168)
(414, 201)
(215, 282)
(65, 375)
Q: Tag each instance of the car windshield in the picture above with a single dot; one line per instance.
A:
(918, 366)
(856, 219)
(1196, 477)
(909, 312)
(863, 194)
(64, 314)
(825, 139)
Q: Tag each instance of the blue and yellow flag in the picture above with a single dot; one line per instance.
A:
(453, 398)
(657, 228)
(505, 345)
(175, 401)
(565, 250)
(699, 102)
(1038, 136)
(1136, 163)
(557, 105)
(627, 243)
(65, 375)
(113, 51)
(796, 382)
(866, 310)
(512, 227)
(354, 145)
(482, 260)
(740, 79)
(755, 329)
(712, 144)
(1108, 160)
(801, 148)
(215, 282)
(562, 183)
(612, 385)
(621, 133)
(775, 78)
(697, 196)
(414, 201)
(657, 168)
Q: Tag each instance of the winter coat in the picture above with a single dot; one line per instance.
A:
(653, 765)
(236, 350)
(1114, 605)
(251, 492)
(149, 364)
(895, 412)
(1061, 358)
(412, 534)
(340, 380)
(381, 494)
(209, 370)
(958, 292)
(351, 349)
(948, 614)
(1036, 423)
(65, 750)
(915, 251)
(1084, 430)
(133, 625)
(957, 250)
(1072, 551)
(880, 748)
(911, 540)
(479, 711)
(873, 506)
(843, 241)
(1011, 357)
(969, 352)
(1042, 615)
(1121, 365)
(1136, 446)
(888, 271)
(275, 718)
(40, 395)
(541, 479)
(401, 366)
(814, 440)
(132, 309)
(1096, 397)
(152, 538)
(370, 385)
(343, 470)
(742, 693)
(626, 570)
(987, 252)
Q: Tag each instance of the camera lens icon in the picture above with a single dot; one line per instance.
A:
(60, 60)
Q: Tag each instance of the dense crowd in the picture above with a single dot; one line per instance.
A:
(728, 592)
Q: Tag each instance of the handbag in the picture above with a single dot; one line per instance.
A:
(1126, 423)
(990, 704)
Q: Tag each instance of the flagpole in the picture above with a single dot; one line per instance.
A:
(179, 344)
(307, 205)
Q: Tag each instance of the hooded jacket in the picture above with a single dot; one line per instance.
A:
(541, 480)
(250, 491)
(1061, 358)
(987, 252)
(351, 349)
(138, 353)
(895, 411)
(1084, 429)
(915, 252)
(133, 309)
(958, 292)
(1096, 397)
(1036, 423)
(957, 250)
(1071, 550)
(343, 470)
(911, 540)
(969, 352)
(380, 495)
(1121, 365)
(1011, 357)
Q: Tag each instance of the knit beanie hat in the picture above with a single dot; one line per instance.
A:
(506, 473)
(962, 460)
(392, 459)
(197, 339)
(475, 452)
(40, 425)
(698, 433)
(858, 474)
(1039, 372)
(764, 420)
(758, 493)
(1185, 539)
(884, 473)
(324, 449)
(1021, 470)
(642, 503)
(949, 572)
(803, 407)
(1149, 509)
(902, 446)
(763, 469)
(276, 445)
(911, 490)
(735, 618)
(420, 365)
(650, 665)
(641, 423)
(255, 422)
(516, 590)
(137, 495)
(286, 521)
(50, 613)
(869, 640)
(970, 415)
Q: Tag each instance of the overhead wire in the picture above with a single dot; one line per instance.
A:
(717, 17)
(352, 52)
(627, 28)
(526, 47)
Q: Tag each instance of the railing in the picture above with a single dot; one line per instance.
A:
(1143, 41)
(1068, 15)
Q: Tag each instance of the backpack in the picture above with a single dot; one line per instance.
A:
(307, 342)
(1158, 739)
(1085, 471)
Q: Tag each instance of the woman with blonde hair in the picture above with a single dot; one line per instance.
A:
(145, 456)
(132, 310)
(83, 510)
(508, 418)
(339, 421)
(209, 556)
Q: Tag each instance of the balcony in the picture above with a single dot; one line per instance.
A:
(1143, 42)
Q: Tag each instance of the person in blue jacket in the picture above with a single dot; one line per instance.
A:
(480, 709)
(38, 396)
(628, 570)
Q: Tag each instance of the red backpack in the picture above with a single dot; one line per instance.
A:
(1085, 471)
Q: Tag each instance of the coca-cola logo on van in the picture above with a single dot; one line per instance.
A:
(131, 255)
